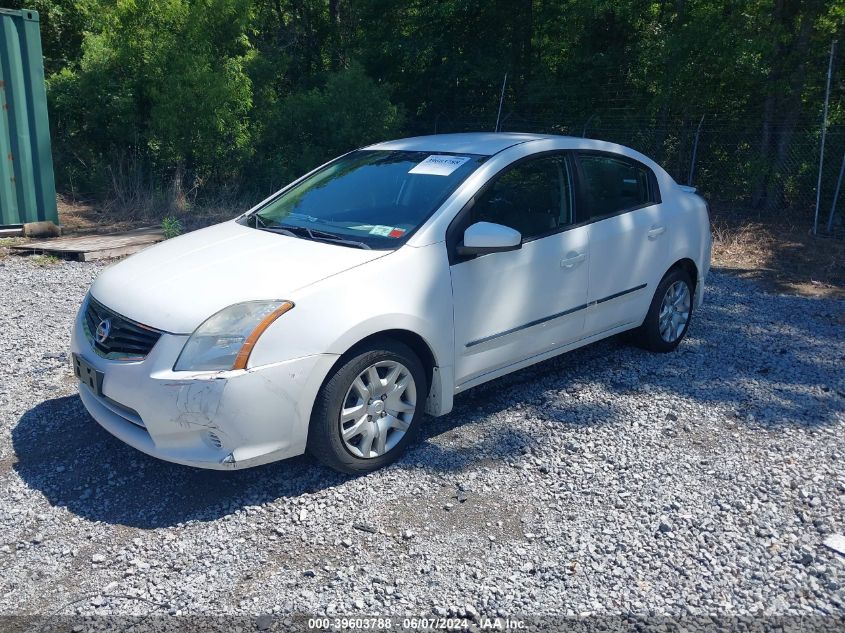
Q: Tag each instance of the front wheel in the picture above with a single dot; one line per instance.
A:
(367, 411)
(669, 314)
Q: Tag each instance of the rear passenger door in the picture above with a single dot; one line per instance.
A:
(620, 199)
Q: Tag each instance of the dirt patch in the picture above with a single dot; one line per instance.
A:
(6, 242)
(81, 217)
(779, 253)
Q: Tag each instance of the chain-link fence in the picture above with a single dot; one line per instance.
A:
(735, 164)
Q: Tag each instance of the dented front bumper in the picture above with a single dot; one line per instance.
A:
(220, 420)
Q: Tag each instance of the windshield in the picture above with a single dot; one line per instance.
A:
(368, 199)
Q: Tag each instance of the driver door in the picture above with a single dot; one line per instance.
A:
(509, 306)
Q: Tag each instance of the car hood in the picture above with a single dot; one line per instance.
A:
(177, 284)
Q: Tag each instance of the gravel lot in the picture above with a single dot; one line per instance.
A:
(607, 481)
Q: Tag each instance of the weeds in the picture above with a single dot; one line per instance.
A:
(171, 226)
(44, 260)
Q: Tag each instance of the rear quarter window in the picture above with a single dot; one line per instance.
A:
(612, 184)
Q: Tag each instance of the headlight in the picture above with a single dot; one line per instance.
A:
(225, 340)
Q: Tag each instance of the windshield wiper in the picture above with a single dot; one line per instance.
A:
(277, 229)
(259, 222)
(261, 225)
(324, 236)
(306, 233)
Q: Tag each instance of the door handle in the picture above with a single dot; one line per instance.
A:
(571, 262)
(655, 231)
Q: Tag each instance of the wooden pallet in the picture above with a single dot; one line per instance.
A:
(88, 247)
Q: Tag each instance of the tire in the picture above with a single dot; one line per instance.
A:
(375, 436)
(652, 334)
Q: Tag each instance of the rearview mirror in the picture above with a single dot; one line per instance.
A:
(486, 237)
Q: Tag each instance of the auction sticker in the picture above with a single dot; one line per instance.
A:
(439, 165)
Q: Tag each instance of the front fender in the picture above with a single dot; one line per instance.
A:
(410, 289)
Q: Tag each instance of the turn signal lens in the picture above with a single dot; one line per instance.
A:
(225, 340)
(243, 356)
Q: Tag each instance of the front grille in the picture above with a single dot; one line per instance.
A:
(126, 340)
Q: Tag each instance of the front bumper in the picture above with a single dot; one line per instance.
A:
(220, 420)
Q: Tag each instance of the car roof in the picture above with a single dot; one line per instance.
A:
(489, 143)
(482, 143)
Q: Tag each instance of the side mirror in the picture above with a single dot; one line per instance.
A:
(486, 237)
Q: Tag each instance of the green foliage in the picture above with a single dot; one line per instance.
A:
(63, 27)
(162, 81)
(171, 226)
(206, 95)
(309, 127)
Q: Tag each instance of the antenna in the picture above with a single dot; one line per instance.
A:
(501, 99)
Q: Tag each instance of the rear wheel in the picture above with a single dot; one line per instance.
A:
(669, 314)
(367, 411)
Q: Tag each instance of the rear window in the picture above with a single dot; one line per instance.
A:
(612, 185)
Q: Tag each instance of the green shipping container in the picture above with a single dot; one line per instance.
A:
(27, 185)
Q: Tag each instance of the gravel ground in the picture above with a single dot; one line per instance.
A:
(607, 481)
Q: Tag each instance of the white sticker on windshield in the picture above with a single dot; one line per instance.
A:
(439, 165)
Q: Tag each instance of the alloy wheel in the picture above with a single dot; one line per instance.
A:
(674, 312)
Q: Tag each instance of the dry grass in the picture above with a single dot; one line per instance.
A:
(6, 242)
(781, 254)
(134, 201)
(83, 217)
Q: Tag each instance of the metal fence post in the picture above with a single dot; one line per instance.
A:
(586, 125)
(836, 195)
(824, 133)
(501, 101)
(694, 151)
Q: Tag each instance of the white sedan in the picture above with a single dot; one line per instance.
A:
(331, 316)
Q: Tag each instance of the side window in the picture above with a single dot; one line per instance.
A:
(534, 197)
(613, 184)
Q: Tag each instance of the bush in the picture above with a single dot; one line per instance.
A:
(312, 126)
(163, 82)
(162, 106)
